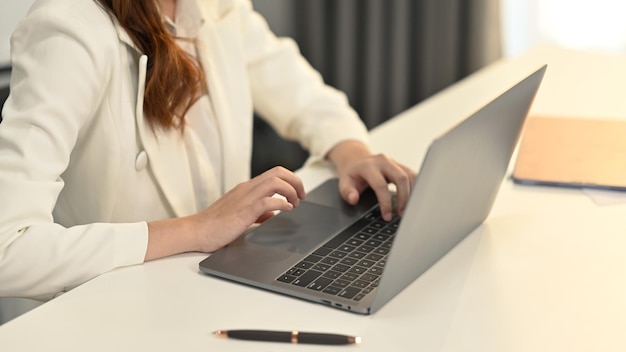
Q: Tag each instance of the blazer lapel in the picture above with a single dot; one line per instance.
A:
(167, 156)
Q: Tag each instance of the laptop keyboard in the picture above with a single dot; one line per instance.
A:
(348, 265)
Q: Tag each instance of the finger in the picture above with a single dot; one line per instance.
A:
(265, 216)
(270, 204)
(385, 201)
(399, 175)
(350, 189)
(279, 187)
(288, 176)
(369, 174)
(412, 174)
(380, 186)
(276, 182)
(402, 178)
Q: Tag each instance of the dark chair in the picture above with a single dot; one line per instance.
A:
(4, 94)
(4, 87)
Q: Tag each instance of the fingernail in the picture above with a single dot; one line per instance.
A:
(353, 197)
(388, 216)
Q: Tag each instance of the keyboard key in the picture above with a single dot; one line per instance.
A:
(366, 249)
(349, 277)
(370, 230)
(286, 278)
(320, 283)
(306, 278)
(381, 237)
(374, 215)
(330, 260)
(378, 224)
(322, 251)
(382, 251)
(369, 277)
(366, 263)
(338, 254)
(389, 230)
(375, 270)
(349, 261)
(341, 283)
(333, 290)
(304, 265)
(346, 248)
(332, 274)
(359, 297)
(357, 270)
(373, 243)
(361, 283)
(295, 271)
(349, 292)
(313, 258)
(357, 255)
(354, 242)
(321, 267)
(341, 268)
(362, 236)
(373, 256)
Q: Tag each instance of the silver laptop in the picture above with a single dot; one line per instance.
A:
(347, 257)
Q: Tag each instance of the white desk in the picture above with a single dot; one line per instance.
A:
(546, 272)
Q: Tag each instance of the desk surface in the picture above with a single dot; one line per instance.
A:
(546, 271)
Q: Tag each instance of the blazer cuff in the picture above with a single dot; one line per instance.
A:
(131, 244)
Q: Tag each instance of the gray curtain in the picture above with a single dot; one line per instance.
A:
(386, 55)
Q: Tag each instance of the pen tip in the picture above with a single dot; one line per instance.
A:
(219, 333)
(355, 340)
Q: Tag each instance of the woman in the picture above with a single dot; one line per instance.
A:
(127, 136)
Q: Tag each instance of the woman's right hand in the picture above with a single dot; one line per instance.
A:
(230, 216)
(248, 203)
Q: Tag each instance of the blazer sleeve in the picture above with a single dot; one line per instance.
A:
(291, 95)
(59, 76)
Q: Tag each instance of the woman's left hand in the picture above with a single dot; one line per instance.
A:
(359, 169)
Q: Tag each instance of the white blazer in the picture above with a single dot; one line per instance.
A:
(80, 169)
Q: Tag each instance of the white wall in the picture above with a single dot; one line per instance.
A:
(11, 11)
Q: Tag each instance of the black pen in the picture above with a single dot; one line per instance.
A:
(290, 336)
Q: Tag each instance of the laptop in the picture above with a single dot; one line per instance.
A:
(342, 256)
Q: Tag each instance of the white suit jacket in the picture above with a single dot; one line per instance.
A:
(80, 168)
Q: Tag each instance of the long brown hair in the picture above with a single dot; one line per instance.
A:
(174, 81)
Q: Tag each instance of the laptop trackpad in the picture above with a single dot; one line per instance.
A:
(301, 229)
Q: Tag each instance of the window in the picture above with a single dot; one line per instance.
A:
(577, 24)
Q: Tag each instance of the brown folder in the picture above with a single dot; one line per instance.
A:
(572, 152)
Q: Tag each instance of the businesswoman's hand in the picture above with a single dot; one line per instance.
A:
(358, 168)
(230, 216)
